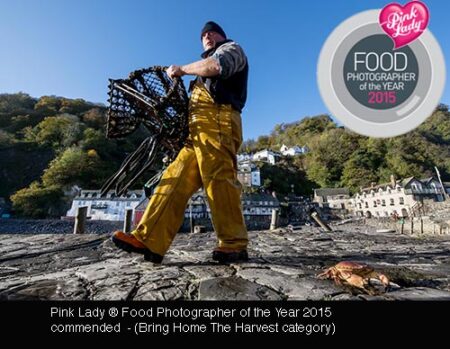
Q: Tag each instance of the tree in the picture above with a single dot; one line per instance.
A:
(263, 142)
(75, 166)
(16, 103)
(95, 118)
(359, 171)
(6, 139)
(38, 202)
(248, 146)
(56, 131)
(411, 155)
(282, 176)
(48, 105)
(328, 154)
(74, 106)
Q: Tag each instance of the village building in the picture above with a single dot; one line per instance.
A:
(249, 174)
(109, 208)
(399, 198)
(333, 198)
(244, 157)
(256, 206)
(293, 151)
(267, 155)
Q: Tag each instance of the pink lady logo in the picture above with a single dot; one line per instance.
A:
(404, 24)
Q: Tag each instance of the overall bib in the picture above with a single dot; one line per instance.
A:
(216, 135)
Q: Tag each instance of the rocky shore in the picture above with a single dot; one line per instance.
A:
(283, 265)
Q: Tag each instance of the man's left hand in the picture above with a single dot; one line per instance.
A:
(175, 71)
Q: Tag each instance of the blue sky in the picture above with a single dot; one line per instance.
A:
(71, 48)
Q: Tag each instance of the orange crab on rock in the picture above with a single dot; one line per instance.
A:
(354, 274)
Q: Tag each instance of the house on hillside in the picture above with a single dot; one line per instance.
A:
(249, 174)
(293, 151)
(267, 155)
(244, 157)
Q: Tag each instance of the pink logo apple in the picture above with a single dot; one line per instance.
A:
(404, 24)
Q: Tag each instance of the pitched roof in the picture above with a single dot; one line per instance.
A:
(331, 191)
(259, 197)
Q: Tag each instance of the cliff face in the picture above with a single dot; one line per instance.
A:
(283, 265)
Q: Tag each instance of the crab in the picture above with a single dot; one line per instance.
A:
(354, 274)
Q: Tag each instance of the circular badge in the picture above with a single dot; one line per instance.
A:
(374, 88)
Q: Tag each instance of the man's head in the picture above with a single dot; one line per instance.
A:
(211, 34)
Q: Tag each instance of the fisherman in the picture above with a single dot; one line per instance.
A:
(218, 95)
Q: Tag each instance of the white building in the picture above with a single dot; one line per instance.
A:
(267, 156)
(109, 208)
(249, 174)
(400, 198)
(336, 198)
(244, 157)
(198, 206)
(293, 151)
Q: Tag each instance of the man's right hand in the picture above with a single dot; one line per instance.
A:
(175, 71)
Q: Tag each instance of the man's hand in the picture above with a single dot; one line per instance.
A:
(175, 71)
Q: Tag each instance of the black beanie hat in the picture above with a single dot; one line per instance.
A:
(213, 27)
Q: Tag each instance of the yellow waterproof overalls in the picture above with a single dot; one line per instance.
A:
(216, 134)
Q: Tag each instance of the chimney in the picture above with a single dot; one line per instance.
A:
(393, 181)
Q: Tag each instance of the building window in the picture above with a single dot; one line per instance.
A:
(392, 202)
(402, 201)
(366, 204)
(374, 203)
(383, 202)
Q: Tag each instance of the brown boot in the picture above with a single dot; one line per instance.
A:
(129, 243)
